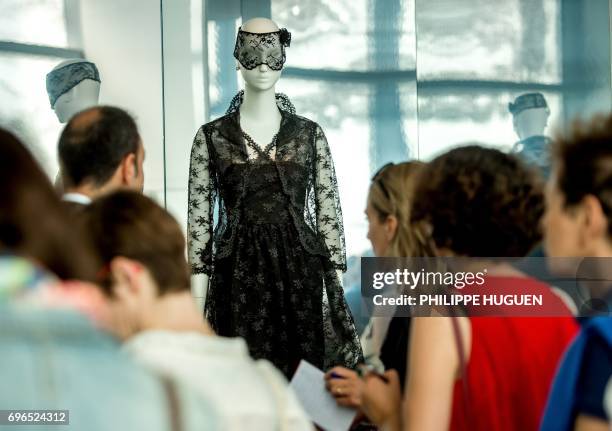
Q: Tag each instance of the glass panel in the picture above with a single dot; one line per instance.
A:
(450, 118)
(407, 91)
(407, 38)
(476, 56)
(38, 22)
(222, 75)
(184, 94)
(325, 34)
(513, 40)
(24, 105)
(367, 108)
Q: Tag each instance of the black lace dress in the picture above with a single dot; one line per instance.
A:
(265, 224)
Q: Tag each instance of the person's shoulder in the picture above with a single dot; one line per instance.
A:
(599, 326)
(293, 412)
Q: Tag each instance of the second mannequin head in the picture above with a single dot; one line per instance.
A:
(261, 77)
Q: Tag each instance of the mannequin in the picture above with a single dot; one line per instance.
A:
(277, 243)
(73, 86)
(258, 114)
(531, 122)
(530, 114)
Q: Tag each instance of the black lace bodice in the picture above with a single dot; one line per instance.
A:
(224, 169)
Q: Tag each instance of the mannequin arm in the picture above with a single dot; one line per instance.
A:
(199, 288)
(201, 196)
(327, 197)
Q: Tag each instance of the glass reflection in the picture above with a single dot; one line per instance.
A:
(24, 105)
(514, 40)
(326, 34)
(39, 22)
(474, 57)
(351, 67)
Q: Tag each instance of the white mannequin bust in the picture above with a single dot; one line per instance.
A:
(82, 96)
(531, 122)
(259, 115)
(260, 118)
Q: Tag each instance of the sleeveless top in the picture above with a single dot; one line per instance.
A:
(511, 366)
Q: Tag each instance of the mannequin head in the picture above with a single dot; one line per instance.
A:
(531, 122)
(529, 115)
(261, 77)
(76, 93)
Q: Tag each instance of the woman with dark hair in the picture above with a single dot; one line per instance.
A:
(468, 372)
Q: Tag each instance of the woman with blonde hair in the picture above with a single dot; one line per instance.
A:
(385, 339)
(388, 211)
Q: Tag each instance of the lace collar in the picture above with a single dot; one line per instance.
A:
(282, 101)
(289, 126)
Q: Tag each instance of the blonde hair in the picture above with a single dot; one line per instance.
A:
(391, 194)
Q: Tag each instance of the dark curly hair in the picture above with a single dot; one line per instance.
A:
(583, 163)
(480, 202)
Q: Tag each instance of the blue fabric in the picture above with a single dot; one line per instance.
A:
(560, 412)
(535, 151)
(57, 359)
(594, 376)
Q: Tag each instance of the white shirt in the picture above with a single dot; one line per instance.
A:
(247, 394)
(78, 198)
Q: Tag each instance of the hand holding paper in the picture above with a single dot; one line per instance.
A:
(309, 385)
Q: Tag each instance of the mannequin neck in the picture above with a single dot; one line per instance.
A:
(259, 104)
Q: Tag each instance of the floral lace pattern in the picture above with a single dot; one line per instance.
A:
(282, 101)
(266, 224)
(253, 49)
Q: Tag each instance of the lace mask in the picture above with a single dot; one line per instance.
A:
(253, 49)
(64, 79)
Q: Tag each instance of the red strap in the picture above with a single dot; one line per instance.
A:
(462, 366)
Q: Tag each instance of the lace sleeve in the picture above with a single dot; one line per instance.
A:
(328, 211)
(200, 207)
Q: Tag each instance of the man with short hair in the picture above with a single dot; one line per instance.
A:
(100, 151)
